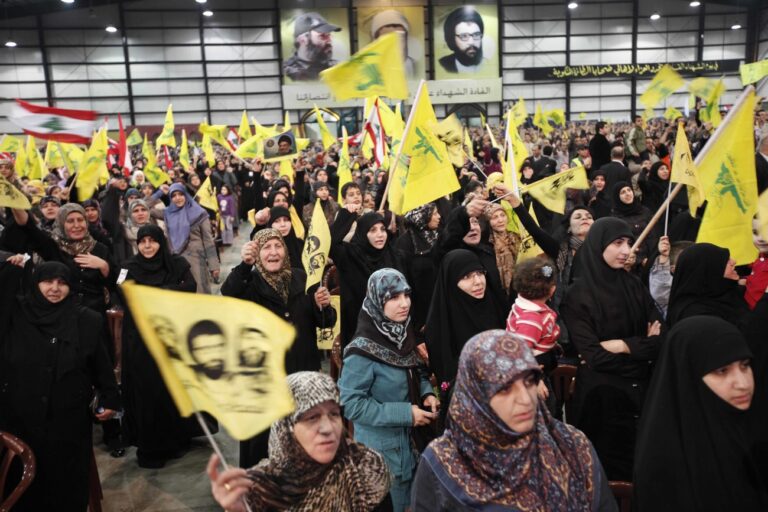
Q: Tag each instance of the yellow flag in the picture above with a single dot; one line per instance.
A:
(701, 87)
(345, 170)
(296, 222)
(286, 121)
(494, 144)
(216, 132)
(217, 354)
(519, 113)
(317, 245)
(672, 113)
(302, 144)
(70, 154)
(208, 152)
(167, 138)
(153, 173)
(467, 142)
(21, 161)
(727, 174)
(262, 131)
(35, 168)
(325, 134)
(556, 115)
(550, 191)
(540, 121)
(253, 147)
(10, 144)
(134, 138)
(12, 197)
(711, 112)
(429, 174)
(528, 246)
(375, 70)
(684, 171)
(762, 214)
(583, 115)
(389, 119)
(53, 158)
(751, 73)
(286, 169)
(207, 196)
(666, 81)
(449, 131)
(184, 151)
(244, 131)
(94, 159)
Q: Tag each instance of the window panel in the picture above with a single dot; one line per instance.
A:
(165, 53)
(21, 55)
(21, 73)
(163, 36)
(192, 70)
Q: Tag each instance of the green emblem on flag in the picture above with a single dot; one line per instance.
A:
(53, 124)
(369, 70)
(725, 184)
(424, 145)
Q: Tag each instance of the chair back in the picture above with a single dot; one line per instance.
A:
(11, 447)
(622, 491)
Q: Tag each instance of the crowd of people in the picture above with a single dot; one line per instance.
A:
(449, 331)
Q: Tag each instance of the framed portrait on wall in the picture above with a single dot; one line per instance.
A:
(465, 41)
(374, 22)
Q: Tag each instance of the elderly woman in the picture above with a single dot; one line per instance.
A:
(311, 464)
(502, 450)
(51, 359)
(696, 446)
(506, 244)
(383, 382)
(189, 231)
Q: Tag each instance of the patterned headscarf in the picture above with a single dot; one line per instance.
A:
(419, 219)
(382, 286)
(550, 468)
(280, 281)
(59, 234)
(356, 480)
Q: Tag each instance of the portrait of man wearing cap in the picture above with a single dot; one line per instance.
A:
(463, 31)
(313, 47)
(391, 20)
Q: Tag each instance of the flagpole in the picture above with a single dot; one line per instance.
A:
(216, 449)
(700, 157)
(477, 166)
(666, 218)
(385, 197)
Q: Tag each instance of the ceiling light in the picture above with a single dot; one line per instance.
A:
(735, 26)
(573, 5)
(695, 4)
(201, 1)
(10, 43)
(655, 16)
(208, 13)
(111, 29)
(68, 1)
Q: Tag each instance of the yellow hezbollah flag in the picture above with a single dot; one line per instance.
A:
(12, 197)
(154, 174)
(53, 157)
(494, 144)
(540, 120)
(21, 160)
(429, 174)
(449, 131)
(375, 70)
(206, 195)
(184, 151)
(253, 147)
(166, 138)
(751, 73)
(216, 354)
(317, 245)
(90, 167)
(762, 214)
(134, 138)
(35, 167)
(666, 81)
(556, 115)
(208, 152)
(528, 246)
(672, 113)
(325, 134)
(519, 113)
(216, 132)
(244, 130)
(345, 170)
(389, 119)
(262, 131)
(10, 144)
(711, 112)
(550, 191)
(684, 171)
(727, 174)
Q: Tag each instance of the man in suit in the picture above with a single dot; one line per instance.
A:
(615, 171)
(599, 147)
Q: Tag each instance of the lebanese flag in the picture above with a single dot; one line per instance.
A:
(123, 160)
(168, 159)
(375, 131)
(50, 123)
(233, 139)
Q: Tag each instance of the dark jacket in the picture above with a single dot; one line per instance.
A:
(614, 173)
(600, 151)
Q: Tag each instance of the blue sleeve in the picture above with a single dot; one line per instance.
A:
(355, 384)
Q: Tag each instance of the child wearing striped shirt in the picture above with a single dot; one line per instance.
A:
(530, 318)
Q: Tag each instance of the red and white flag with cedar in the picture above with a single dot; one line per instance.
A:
(50, 123)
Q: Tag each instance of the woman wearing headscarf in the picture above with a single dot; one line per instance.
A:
(383, 382)
(461, 307)
(654, 185)
(628, 208)
(51, 359)
(506, 244)
(152, 422)
(322, 191)
(280, 219)
(414, 249)
(228, 214)
(599, 201)
(705, 282)
(502, 450)
(368, 251)
(265, 277)
(615, 326)
(189, 231)
(696, 442)
(312, 465)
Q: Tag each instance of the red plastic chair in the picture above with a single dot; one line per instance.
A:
(622, 491)
(12, 447)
